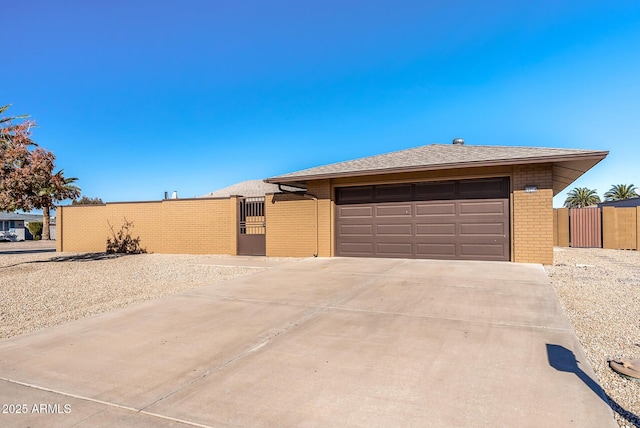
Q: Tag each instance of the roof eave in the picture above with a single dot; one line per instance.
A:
(597, 156)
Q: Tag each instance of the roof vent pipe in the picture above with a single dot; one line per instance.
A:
(458, 141)
(174, 195)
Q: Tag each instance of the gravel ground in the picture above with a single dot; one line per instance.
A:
(40, 288)
(600, 292)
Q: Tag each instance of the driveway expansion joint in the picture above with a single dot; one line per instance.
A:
(104, 403)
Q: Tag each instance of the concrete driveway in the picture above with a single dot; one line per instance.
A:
(317, 342)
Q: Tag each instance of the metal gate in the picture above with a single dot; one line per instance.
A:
(585, 227)
(251, 227)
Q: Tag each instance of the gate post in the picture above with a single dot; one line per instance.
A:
(561, 227)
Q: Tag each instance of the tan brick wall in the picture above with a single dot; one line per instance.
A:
(532, 215)
(147, 222)
(620, 228)
(195, 226)
(200, 226)
(82, 228)
(322, 190)
(291, 225)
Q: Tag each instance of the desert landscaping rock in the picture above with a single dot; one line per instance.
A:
(43, 289)
(600, 292)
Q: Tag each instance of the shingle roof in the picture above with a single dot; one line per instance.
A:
(568, 164)
(437, 156)
(249, 188)
(17, 216)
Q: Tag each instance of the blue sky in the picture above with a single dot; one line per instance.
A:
(140, 97)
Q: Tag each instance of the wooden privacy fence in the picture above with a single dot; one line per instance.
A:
(606, 227)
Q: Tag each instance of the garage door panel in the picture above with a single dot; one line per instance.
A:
(350, 195)
(434, 250)
(442, 229)
(361, 211)
(394, 250)
(482, 208)
(356, 230)
(404, 230)
(483, 229)
(471, 229)
(482, 251)
(436, 190)
(362, 249)
(393, 192)
(393, 210)
(435, 209)
(492, 188)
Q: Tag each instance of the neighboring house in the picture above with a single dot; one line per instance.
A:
(14, 226)
(249, 188)
(633, 202)
(52, 228)
(444, 201)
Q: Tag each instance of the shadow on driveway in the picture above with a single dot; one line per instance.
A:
(83, 257)
(564, 360)
(32, 251)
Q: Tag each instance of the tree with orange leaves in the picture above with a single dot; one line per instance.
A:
(27, 180)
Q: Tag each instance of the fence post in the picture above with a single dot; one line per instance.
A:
(59, 230)
(563, 227)
(638, 228)
(609, 227)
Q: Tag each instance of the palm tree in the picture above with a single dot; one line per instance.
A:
(7, 128)
(581, 197)
(59, 189)
(5, 122)
(620, 192)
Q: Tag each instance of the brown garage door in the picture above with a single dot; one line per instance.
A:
(465, 219)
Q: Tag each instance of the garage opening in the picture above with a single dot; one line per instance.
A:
(461, 219)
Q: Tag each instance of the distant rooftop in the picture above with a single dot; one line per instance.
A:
(632, 202)
(19, 216)
(249, 188)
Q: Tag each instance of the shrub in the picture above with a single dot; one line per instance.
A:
(35, 227)
(122, 242)
(85, 200)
